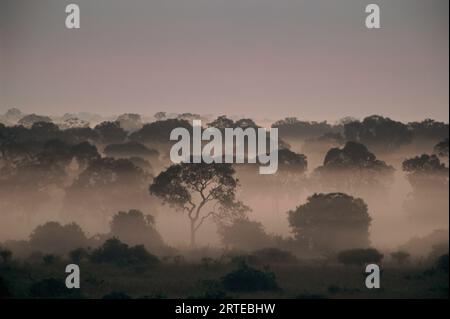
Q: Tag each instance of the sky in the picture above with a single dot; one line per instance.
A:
(313, 59)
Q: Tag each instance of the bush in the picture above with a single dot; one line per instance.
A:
(274, 256)
(5, 291)
(6, 255)
(115, 252)
(208, 262)
(249, 279)
(210, 289)
(401, 257)
(52, 288)
(135, 228)
(54, 238)
(77, 255)
(49, 259)
(244, 234)
(360, 257)
(442, 263)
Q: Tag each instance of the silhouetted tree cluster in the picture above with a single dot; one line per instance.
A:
(426, 171)
(54, 238)
(110, 133)
(107, 185)
(157, 133)
(291, 127)
(378, 133)
(331, 222)
(428, 202)
(130, 149)
(441, 148)
(429, 130)
(244, 234)
(353, 168)
(135, 228)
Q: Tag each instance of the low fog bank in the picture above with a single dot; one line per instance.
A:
(378, 183)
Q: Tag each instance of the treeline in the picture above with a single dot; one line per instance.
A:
(87, 174)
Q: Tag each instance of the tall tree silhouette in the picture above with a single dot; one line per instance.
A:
(201, 191)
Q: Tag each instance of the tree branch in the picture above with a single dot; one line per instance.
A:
(203, 219)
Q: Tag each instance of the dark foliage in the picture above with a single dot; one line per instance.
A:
(210, 289)
(291, 127)
(52, 237)
(244, 234)
(115, 252)
(332, 222)
(442, 263)
(110, 133)
(130, 149)
(191, 187)
(426, 171)
(360, 257)
(248, 279)
(158, 132)
(5, 291)
(5, 255)
(52, 288)
(379, 133)
(441, 148)
(134, 228)
(274, 256)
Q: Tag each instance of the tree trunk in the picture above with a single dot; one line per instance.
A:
(192, 233)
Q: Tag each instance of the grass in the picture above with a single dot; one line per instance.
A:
(169, 280)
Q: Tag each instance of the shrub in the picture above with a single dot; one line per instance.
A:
(134, 228)
(52, 288)
(208, 262)
(49, 259)
(77, 255)
(210, 289)
(401, 257)
(116, 252)
(360, 256)
(5, 291)
(239, 259)
(54, 238)
(138, 254)
(274, 256)
(249, 279)
(244, 234)
(442, 263)
(6, 255)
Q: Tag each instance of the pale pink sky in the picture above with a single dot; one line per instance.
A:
(262, 58)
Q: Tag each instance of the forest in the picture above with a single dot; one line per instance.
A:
(101, 192)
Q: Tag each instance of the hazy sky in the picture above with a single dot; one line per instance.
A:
(263, 58)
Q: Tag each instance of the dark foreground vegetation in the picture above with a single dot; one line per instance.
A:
(117, 271)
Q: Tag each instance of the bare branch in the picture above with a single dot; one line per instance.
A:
(203, 219)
